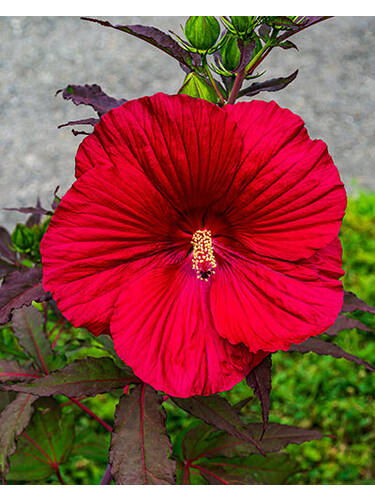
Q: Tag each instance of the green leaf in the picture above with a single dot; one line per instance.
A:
(93, 446)
(140, 447)
(255, 469)
(216, 457)
(85, 377)
(46, 443)
(13, 420)
(215, 410)
(28, 327)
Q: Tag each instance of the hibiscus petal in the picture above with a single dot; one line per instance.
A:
(103, 223)
(290, 199)
(268, 304)
(162, 328)
(188, 148)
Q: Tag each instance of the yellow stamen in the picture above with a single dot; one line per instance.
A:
(204, 262)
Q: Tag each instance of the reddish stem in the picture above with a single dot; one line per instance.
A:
(91, 413)
(209, 472)
(58, 474)
(107, 478)
(236, 87)
(58, 335)
(34, 443)
(142, 437)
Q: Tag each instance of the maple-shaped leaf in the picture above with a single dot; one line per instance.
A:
(206, 456)
(12, 370)
(44, 445)
(13, 420)
(8, 258)
(260, 380)
(353, 303)
(28, 327)
(269, 85)
(153, 36)
(85, 377)
(344, 322)
(324, 348)
(20, 288)
(215, 410)
(140, 447)
(90, 95)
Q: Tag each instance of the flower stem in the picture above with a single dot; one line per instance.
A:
(59, 476)
(236, 87)
(213, 83)
(247, 71)
(58, 335)
(91, 413)
(106, 479)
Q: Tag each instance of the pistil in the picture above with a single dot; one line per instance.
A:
(204, 262)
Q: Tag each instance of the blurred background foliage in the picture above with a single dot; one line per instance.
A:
(317, 392)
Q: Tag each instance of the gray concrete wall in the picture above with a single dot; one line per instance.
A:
(334, 92)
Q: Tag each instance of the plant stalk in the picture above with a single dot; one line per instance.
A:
(106, 479)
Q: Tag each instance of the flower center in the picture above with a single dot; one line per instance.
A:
(204, 262)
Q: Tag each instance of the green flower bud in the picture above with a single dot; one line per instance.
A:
(230, 53)
(196, 86)
(202, 32)
(241, 23)
(23, 238)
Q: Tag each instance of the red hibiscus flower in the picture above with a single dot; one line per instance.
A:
(199, 237)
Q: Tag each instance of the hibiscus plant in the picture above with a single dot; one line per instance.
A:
(200, 237)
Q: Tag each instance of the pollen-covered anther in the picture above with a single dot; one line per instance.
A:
(203, 260)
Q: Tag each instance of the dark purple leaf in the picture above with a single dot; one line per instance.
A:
(215, 410)
(301, 23)
(5, 246)
(29, 210)
(12, 370)
(140, 446)
(353, 303)
(288, 45)
(277, 436)
(328, 349)
(85, 121)
(260, 380)
(84, 377)
(90, 95)
(264, 31)
(28, 327)
(269, 85)
(13, 421)
(6, 268)
(35, 218)
(153, 36)
(344, 322)
(56, 199)
(18, 289)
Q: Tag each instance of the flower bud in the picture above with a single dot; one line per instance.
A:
(23, 238)
(202, 32)
(230, 53)
(196, 86)
(241, 23)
